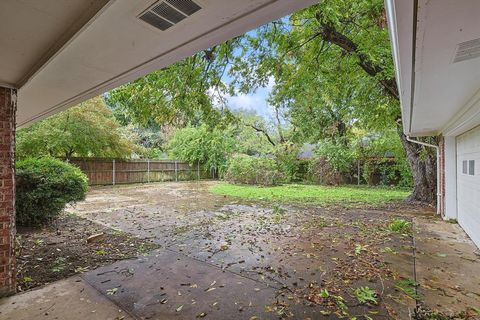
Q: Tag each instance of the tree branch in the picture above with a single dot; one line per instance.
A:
(265, 133)
(330, 34)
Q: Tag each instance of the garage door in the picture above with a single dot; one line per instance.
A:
(468, 184)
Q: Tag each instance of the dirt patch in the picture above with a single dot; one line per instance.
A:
(61, 249)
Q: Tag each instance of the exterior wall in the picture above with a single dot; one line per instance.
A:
(7, 191)
(449, 171)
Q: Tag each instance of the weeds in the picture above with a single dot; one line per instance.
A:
(278, 213)
(365, 295)
(408, 286)
(359, 249)
(400, 226)
(58, 264)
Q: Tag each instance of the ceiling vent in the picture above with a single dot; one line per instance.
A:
(467, 50)
(165, 14)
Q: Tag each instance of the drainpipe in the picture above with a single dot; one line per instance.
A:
(437, 148)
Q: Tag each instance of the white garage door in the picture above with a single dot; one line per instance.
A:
(468, 185)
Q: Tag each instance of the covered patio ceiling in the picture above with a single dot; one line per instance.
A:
(58, 53)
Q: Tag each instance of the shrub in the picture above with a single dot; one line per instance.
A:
(287, 161)
(252, 170)
(44, 187)
(209, 146)
(320, 171)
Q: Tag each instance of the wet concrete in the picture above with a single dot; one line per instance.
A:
(448, 266)
(71, 299)
(166, 285)
(270, 261)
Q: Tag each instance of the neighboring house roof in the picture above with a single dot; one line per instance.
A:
(307, 151)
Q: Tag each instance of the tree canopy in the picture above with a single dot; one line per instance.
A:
(87, 130)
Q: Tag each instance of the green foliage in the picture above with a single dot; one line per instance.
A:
(181, 94)
(340, 156)
(252, 170)
(327, 97)
(205, 145)
(359, 249)
(59, 264)
(400, 226)
(249, 140)
(334, 90)
(324, 293)
(88, 130)
(408, 286)
(150, 141)
(378, 145)
(286, 156)
(365, 295)
(321, 195)
(44, 186)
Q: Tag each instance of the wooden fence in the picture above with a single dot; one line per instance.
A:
(113, 171)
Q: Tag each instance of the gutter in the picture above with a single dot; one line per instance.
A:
(437, 149)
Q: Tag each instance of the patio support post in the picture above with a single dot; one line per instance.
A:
(8, 103)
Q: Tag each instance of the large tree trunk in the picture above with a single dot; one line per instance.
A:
(423, 165)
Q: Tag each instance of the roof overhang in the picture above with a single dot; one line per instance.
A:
(58, 53)
(439, 90)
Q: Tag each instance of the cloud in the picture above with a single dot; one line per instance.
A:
(256, 101)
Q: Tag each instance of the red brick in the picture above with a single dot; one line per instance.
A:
(7, 192)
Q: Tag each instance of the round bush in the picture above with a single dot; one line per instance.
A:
(44, 187)
(252, 170)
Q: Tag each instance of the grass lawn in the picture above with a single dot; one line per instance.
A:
(323, 195)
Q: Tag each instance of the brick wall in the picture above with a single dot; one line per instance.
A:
(7, 191)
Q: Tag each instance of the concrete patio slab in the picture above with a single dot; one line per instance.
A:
(168, 285)
(71, 299)
(448, 265)
(222, 258)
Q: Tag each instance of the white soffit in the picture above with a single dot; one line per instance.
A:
(33, 30)
(446, 78)
(116, 47)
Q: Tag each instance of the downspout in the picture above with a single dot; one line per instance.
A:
(437, 149)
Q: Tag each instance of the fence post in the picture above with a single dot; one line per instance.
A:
(358, 172)
(198, 170)
(176, 171)
(148, 170)
(113, 172)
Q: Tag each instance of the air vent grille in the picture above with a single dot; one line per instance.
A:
(164, 14)
(187, 6)
(155, 21)
(467, 50)
(167, 12)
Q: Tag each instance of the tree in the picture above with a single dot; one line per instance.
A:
(333, 70)
(87, 130)
(210, 147)
(181, 94)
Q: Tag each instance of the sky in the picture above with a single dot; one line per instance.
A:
(253, 102)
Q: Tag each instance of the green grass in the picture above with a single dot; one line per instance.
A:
(322, 195)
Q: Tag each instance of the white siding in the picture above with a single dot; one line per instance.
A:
(468, 192)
